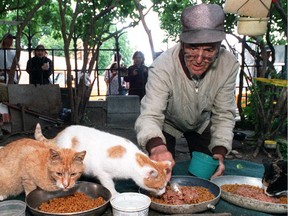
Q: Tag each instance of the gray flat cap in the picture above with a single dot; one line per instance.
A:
(203, 23)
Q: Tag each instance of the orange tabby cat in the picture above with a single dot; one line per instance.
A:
(26, 164)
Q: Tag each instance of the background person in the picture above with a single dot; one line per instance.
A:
(111, 79)
(190, 91)
(39, 67)
(137, 75)
(7, 55)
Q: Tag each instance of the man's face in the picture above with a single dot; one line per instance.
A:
(198, 57)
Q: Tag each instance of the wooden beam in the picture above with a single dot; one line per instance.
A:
(3, 22)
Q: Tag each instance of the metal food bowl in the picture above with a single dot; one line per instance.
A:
(38, 196)
(188, 208)
(246, 202)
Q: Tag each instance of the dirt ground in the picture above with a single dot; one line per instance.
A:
(241, 149)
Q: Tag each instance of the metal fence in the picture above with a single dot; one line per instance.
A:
(59, 72)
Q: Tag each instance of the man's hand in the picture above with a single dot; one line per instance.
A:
(221, 167)
(135, 72)
(161, 153)
(45, 66)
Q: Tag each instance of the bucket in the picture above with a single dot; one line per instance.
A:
(202, 165)
(270, 144)
(130, 204)
(252, 26)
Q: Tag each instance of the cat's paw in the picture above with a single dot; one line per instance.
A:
(159, 192)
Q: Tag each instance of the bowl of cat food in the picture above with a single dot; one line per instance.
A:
(249, 192)
(186, 195)
(85, 199)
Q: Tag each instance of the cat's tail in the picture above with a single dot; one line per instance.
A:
(40, 137)
(38, 134)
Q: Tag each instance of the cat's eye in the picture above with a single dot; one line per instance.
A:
(73, 174)
(59, 174)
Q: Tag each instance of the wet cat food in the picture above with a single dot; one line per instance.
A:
(185, 195)
(76, 202)
(253, 192)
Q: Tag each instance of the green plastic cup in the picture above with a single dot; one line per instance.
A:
(202, 165)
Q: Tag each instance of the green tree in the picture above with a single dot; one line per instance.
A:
(89, 21)
(106, 57)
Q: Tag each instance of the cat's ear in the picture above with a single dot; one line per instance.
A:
(152, 173)
(163, 165)
(166, 165)
(79, 156)
(54, 155)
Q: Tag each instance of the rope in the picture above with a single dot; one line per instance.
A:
(248, 1)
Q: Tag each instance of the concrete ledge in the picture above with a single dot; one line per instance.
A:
(123, 104)
(122, 111)
(96, 113)
(121, 121)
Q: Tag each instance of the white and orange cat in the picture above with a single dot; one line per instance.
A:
(112, 157)
(26, 164)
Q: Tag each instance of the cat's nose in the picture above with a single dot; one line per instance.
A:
(65, 184)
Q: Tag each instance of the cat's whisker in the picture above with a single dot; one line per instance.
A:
(282, 193)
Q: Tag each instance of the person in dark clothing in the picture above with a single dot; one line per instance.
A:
(39, 67)
(137, 75)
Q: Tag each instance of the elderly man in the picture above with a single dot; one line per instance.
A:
(190, 91)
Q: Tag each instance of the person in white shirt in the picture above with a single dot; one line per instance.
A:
(7, 55)
(111, 79)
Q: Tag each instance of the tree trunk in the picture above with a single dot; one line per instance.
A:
(148, 31)
(260, 141)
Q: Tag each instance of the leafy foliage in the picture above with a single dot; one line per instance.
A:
(93, 21)
(170, 11)
(106, 57)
